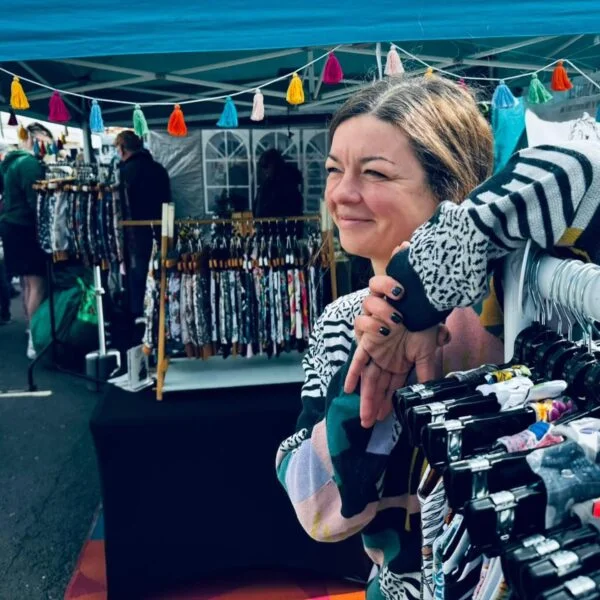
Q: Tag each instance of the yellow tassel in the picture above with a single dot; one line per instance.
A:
(295, 92)
(22, 133)
(428, 73)
(18, 99)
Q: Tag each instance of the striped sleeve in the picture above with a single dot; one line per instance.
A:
(548, 194)
(318, 464)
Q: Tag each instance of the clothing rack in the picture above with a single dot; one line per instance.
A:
(167, 225)
(532, 277)
(79, 218)
(67, 183)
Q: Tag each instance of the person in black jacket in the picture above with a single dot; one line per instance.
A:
(144, 185)
(278, 192)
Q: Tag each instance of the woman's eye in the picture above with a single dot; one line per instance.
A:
(332, 170)
(376, 174)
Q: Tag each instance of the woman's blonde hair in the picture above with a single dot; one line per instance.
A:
(450, 137)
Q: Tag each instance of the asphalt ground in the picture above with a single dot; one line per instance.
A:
(49, 488)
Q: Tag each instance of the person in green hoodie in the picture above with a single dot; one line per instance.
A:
(22, 254)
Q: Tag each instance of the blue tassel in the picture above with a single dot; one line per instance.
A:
(229, 117)
(503, 97)
(36, 147)
(54, 148)
(598, 114)
(96, 122)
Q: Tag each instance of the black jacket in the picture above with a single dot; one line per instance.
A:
(146, 184)
(279, 195)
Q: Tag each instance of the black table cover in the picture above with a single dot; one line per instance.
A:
(189, 489)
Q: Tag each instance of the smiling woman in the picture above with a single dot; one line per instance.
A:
(398, 149)
(377, 191)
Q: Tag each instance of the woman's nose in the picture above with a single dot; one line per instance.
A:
(345, 190)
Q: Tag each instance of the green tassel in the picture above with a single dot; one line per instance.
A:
(139, 122)
(538, 94)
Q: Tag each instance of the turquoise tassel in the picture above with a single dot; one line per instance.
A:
(54, 148)
(36, 147)
(503, 97)
(229, 117)
(538, 94)
(96, 122)
(139, 122)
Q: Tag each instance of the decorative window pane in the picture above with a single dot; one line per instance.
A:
(316, 148)
(215, 173)
(226, 167)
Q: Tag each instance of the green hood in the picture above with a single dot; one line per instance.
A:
(11, 158)
(19, 171)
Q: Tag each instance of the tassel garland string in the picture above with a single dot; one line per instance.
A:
(332, 74)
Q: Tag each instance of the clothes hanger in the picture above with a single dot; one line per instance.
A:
(455, 439)
(586, 587)
(506, 515)
(418, 417)
(453, 388)
(536, 547)
(478, 477)
(554, 569)
(576, 360)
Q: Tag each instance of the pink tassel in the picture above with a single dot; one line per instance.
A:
(393, 64)
(332, 72)
(462, 83)
(58, 111)
(258, 107)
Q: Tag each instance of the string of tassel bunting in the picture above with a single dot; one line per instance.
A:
(332, 74)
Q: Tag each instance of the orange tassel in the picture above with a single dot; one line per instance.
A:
(560, 80)
(177, 126)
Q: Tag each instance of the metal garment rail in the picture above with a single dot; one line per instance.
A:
(167, 224)
(542, 278)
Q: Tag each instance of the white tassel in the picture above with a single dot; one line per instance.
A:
(393, 64)
(258, 107)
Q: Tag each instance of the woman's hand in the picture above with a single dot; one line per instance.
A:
(387, 352)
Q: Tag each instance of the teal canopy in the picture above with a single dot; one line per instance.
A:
(170, 51)
(38, 29)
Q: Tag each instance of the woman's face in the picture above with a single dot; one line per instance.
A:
(377, 191)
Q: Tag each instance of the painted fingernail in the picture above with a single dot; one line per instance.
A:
(397, 291)
(384, 331)
(397, 318)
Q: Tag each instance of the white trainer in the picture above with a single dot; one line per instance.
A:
(31, 353)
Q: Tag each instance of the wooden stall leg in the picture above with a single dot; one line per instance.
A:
(162, 317)
(332, 264)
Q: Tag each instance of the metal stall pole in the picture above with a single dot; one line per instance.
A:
(101, 364)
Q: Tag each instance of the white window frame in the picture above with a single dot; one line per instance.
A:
(244, 136)
(307, 135)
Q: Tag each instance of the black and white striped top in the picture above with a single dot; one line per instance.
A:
(549, 194)
(328, 350)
